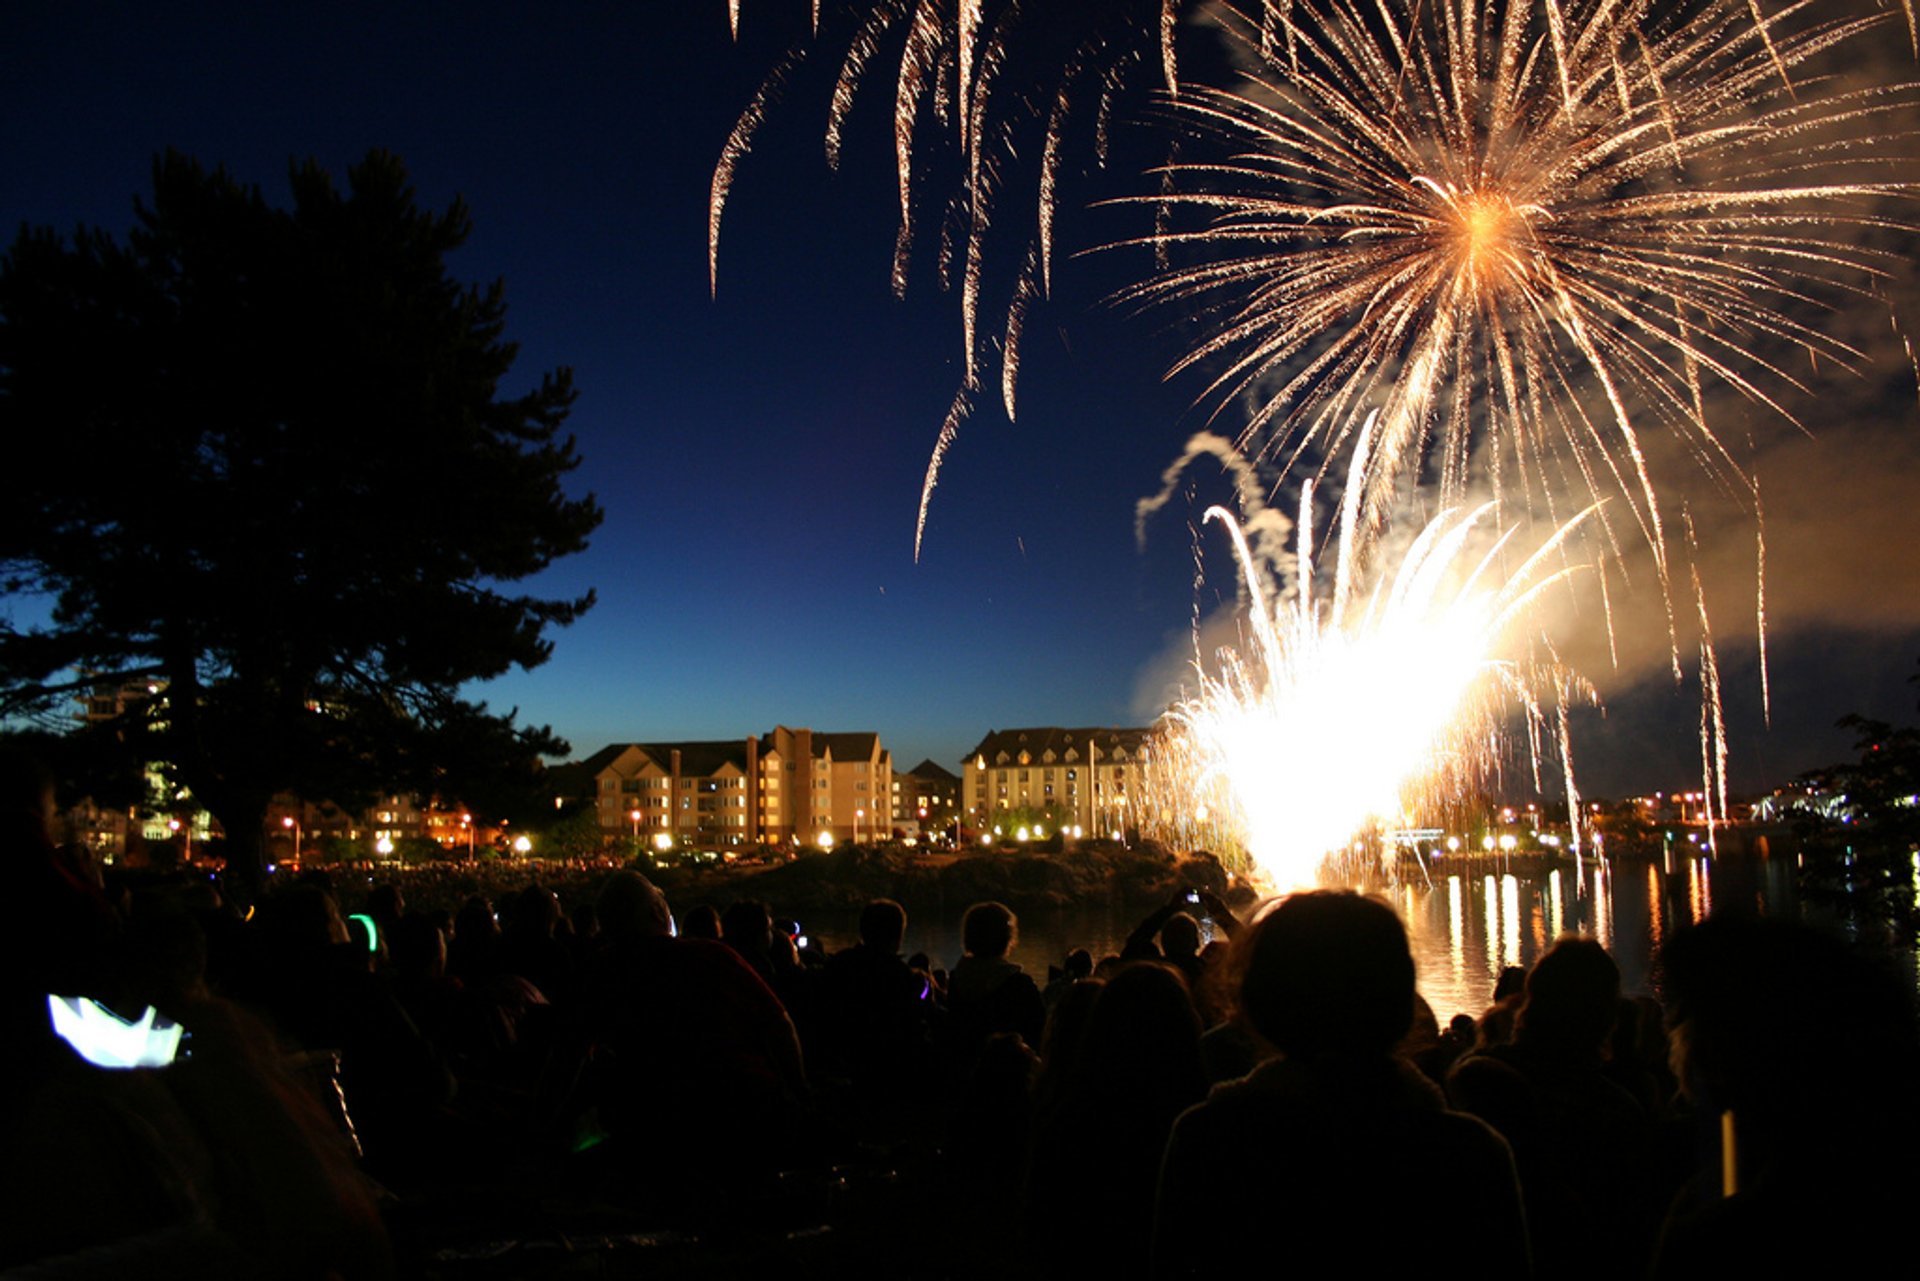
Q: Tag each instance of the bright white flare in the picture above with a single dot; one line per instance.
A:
(1354, 706)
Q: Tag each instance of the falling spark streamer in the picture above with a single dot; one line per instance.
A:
(981, 80)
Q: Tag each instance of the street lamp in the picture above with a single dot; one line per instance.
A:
(294, 823)
(466, 821)
(634, 816)
(858, 814)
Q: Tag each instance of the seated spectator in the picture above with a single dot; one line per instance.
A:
(1583, 1145)
(693, 1054)
(1097, 1146)
(987, 993)
(875, 1008)
(1336, 1157)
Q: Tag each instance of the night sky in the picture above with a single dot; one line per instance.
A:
(759, 455)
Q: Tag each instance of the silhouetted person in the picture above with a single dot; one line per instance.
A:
(876, 1008)
(1337, 1157)
(1097, 1148)
(747, 928)
(703, 922)
(1813, 1048)
(1077, 967)
(697, 1068)
(1583, 1144)
(986, 992)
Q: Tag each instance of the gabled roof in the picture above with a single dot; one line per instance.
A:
(576, 778)
(931, 772)
(1037, 741)
(846, 747)
(696, 758)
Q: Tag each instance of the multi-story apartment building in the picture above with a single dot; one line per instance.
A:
(926, 795)
(1085, 778)
(789, 786)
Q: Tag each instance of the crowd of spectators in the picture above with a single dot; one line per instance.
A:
(366, 1087)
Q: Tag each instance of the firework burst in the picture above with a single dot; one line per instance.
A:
(1379, 696)
(1528, 232)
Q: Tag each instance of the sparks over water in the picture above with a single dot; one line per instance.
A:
(1369, 699)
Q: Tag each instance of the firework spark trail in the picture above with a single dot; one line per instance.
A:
(1760, 602)
(1713, 723)
(739, 143)
(974, 80)
(1475, 213)
(956, 414)
(1356, 698)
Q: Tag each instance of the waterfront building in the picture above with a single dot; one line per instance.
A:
(927, 797)
(1057, 778)
(789, 786)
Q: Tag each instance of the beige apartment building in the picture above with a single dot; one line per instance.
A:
(789, 786)
(1086, 778)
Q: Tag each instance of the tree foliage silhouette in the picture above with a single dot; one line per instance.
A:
(262, 459)
(1857, 856)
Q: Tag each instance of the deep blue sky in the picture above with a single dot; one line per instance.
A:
(759, 455)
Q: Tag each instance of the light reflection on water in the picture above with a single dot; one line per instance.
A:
(1464, 927)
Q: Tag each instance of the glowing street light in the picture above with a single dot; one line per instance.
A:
(294, 823)
(522, 845)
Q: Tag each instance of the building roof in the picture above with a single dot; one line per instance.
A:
(846, 747)
(696, 758)
(928, 770)
(1039, 740)
(577, 778)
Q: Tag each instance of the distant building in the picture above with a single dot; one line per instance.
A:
(111, 832)
(789, 786)
(926, 795)
(1087, 778)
